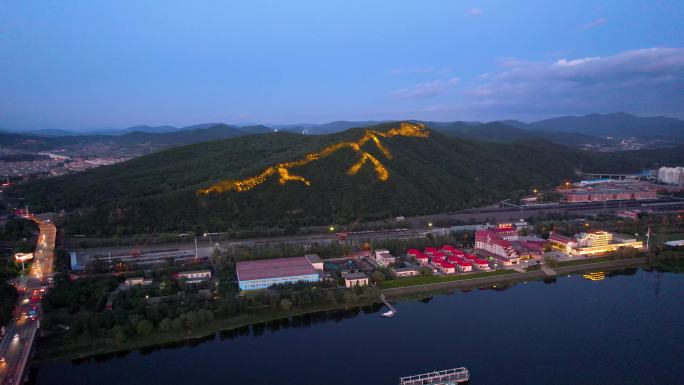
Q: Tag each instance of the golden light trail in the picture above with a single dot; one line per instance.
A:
(414, 130)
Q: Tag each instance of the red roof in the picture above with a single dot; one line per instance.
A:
(446, 265)
(413, 252)
(430, 250)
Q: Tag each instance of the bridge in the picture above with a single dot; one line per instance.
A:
(21, 333)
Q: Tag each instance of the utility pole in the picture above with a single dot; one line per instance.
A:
(196, 256)
(648, 237)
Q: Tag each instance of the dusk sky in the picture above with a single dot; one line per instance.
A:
(96, 64)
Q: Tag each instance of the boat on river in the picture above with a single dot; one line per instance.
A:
(389, 314)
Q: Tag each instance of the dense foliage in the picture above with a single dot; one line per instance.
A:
(157, 192)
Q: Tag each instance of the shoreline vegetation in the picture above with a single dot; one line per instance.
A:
(60, 348)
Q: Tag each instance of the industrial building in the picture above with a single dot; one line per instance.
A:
(610, 190)
(155, 258)
(261, 274)
(315, 261)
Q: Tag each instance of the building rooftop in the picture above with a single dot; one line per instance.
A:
(313, 258)
(274, 268)
(407, 268)
(355, 276)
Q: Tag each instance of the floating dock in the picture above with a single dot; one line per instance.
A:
(389, 305)
(442, 377)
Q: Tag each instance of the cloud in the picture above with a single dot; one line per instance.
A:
(593, 24)
(422, 90)
(646, 81)
(475, 12)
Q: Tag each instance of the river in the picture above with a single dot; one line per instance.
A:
(625, 329)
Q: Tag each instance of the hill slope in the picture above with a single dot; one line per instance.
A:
(426, 175)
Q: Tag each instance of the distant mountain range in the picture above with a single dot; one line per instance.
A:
(595, 129)
(158, 140)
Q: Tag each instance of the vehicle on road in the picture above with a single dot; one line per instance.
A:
(16, 336)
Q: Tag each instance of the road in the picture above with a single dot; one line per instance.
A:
(21, 332)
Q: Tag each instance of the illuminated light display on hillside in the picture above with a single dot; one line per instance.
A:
(283, 169)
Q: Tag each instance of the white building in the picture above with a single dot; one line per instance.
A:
(355, 279)
(194, 276)
(671, 175)
(384, 258)
(133, 281)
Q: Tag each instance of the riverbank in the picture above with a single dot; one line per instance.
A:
(56, 349)
(61, 349)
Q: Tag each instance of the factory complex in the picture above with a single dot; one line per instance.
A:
(261, 274)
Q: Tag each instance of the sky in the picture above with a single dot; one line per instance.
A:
(79, 65)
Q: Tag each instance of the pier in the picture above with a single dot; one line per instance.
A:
(448, 376)
(389, 305)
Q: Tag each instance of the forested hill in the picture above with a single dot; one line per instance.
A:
(426, 175)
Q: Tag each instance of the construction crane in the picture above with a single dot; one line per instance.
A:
(136, 250)
(342, 236)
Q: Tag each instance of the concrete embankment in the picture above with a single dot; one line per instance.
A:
(511, 278)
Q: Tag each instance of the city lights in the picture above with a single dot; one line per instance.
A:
(283, 169)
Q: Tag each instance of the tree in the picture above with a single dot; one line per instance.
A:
(165, 325)
(378, 276)
(425, 271)
(285, 304)
(120, 337)
(177, 324)
(145, 327)
(192, 318)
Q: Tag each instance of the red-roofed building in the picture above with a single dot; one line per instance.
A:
(462, 264)
(446, 267)
(452, 250)
(489, 243)
(418, 255)
(430, 250)
(479, 263)
(562, 241)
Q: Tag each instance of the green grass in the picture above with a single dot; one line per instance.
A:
(585, 261)
(425, 280)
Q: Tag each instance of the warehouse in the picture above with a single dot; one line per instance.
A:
(255, 275)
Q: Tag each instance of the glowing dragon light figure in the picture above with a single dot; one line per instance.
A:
(283, 169)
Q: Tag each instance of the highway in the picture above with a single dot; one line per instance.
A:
(21, 333)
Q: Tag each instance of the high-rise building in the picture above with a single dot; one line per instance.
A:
(671, 175)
